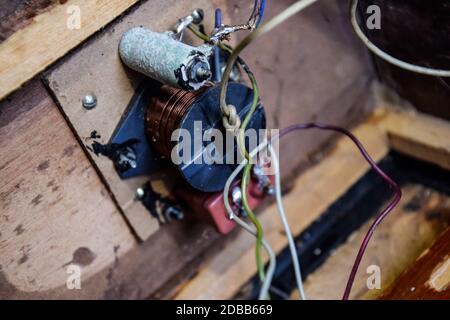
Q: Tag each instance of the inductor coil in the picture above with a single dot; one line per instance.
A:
(173, 109)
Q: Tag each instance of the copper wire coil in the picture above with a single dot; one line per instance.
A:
(165, 114)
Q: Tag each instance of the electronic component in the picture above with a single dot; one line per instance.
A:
(165, 59)
(210, 207)
(157, 112)
(178, 98)
(198, 113)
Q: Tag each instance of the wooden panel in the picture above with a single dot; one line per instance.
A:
(54, 210)
(428, 278)
(31, 49)
(316, 189)
(410, 229)
(97, 68)
(15, 15)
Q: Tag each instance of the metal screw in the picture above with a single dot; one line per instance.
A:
(140, 193)
(269, 190)
(172, 212)
(236, 195)
(202, 74)
(197, 15)
(258, 171)
(127, 159)
(89, 101)
(264, 182)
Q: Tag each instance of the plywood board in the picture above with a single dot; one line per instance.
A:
(418, 135)
(55, 211)
(97, 68)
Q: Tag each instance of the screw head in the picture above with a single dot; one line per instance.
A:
(202, 74)
(89, 101)
(236, 195)
(198, 15)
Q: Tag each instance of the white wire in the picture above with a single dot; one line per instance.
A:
(282, 213)
(385, 56)
(263, 294)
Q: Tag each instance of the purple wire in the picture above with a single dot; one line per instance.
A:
(380, 217)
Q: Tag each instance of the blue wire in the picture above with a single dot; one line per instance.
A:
(217, 67)
(261, 12)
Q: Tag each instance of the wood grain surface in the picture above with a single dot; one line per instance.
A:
(428, 278)
(46, 38)
(410, 229)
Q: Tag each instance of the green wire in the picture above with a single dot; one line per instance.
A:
(246, 180)
(198, 33)
(251, 215)
(246, 174)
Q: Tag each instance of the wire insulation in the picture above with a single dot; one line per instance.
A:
(246, 176)
(264, 292)
(284, 221)
(251, 215)
(217, 65)
(223, 31)
(234, 57)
